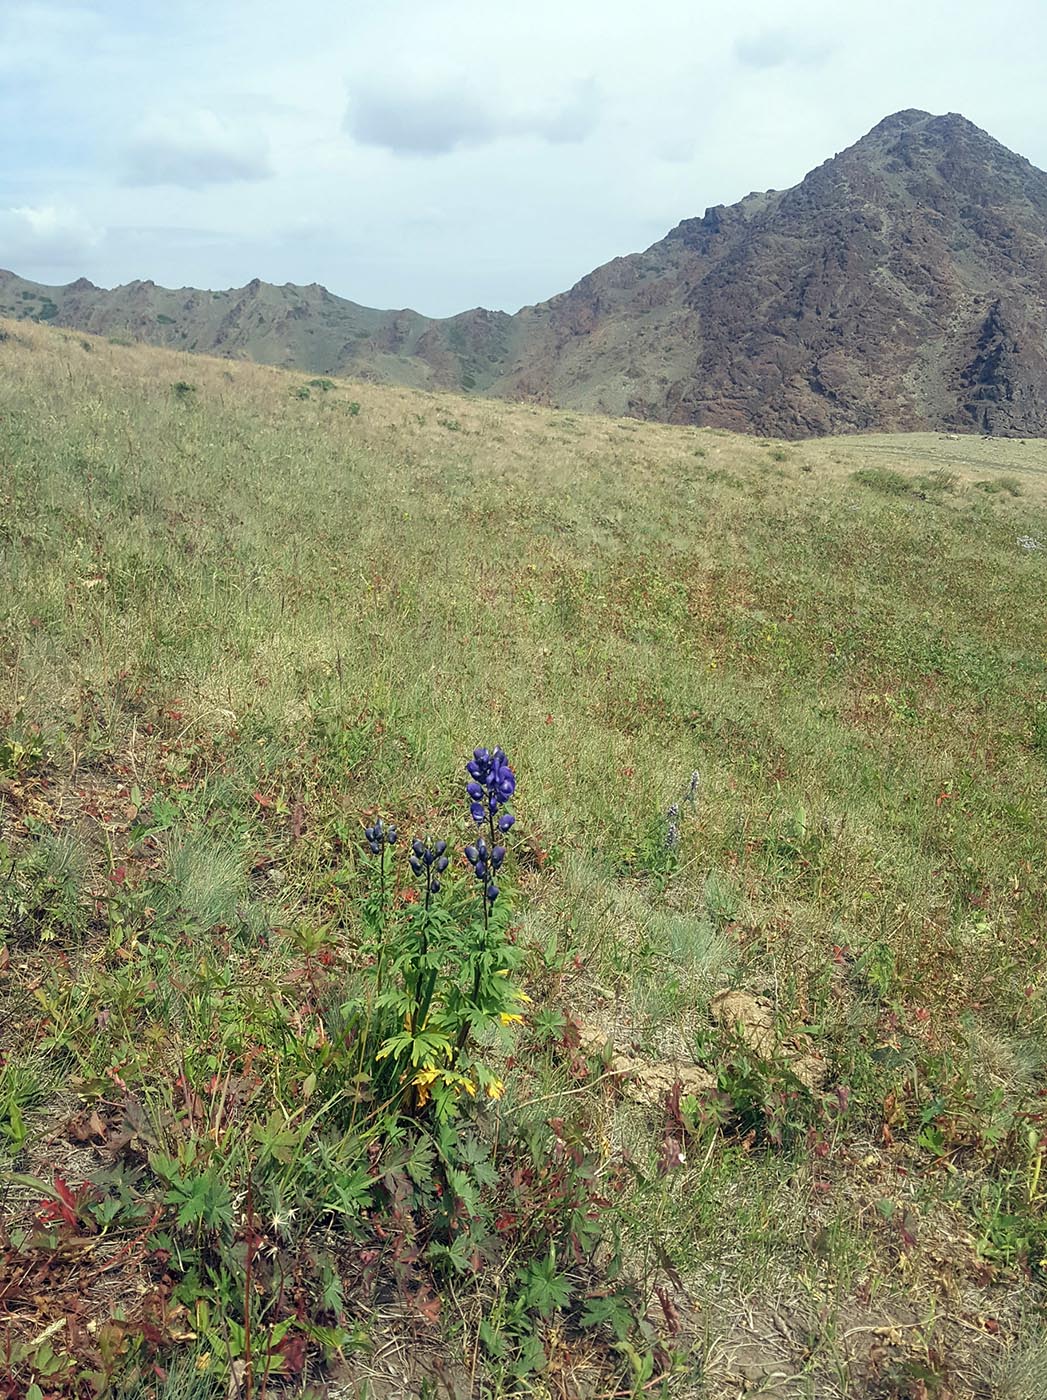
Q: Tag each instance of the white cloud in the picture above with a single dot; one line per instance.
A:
(48, 237)
(193, 149)
(432, 121)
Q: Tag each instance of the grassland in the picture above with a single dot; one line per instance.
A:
(240, 614)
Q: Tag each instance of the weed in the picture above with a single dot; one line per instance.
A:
(884, 479)
(996, 485)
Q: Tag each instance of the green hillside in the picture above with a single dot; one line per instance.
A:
(242, 616)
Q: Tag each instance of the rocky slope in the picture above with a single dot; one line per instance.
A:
(901, 285)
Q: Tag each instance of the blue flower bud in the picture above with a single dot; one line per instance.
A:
(477, 813)
(374, 847)
(441, 865)
(505, 821)
(435, 887)
(390, 836)
(418, 848)
(439, 848)
(472, 855)
(498, 855)
(415, 864)
(492, 893)
(475, 791)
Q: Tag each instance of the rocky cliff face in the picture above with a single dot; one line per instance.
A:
(901, 285)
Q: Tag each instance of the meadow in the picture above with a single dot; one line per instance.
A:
(762, 1110)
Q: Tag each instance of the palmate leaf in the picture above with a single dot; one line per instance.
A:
(477, 1158)
(464, 1188)
(429, 1049)
(420, 1163)
(349, 1193)
(613, 1311)
(460, 1254)
(544, 1289)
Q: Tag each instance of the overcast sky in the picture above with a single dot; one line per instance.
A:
(443, 154)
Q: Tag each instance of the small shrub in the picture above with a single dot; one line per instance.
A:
(883, 479)
(124, 338)
(301, 392)
(324, 385)
(940, 480)
(352, 408)
(183, 390)
(997, 484)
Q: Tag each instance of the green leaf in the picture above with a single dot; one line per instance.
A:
(493, 1342)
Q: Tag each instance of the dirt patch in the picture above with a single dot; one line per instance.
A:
(752, 1019)
(643, 1081)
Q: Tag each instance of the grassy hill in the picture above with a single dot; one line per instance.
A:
(242, 616)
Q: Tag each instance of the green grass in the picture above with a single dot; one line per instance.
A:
(235, 621)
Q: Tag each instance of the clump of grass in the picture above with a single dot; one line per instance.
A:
(205, 883)
(996, 485)
(941, 480)
(43, 888)
(883, 479)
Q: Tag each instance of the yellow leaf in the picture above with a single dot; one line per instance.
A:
(495, 1089)
(509, 1018)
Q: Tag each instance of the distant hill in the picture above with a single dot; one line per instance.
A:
(902, 285)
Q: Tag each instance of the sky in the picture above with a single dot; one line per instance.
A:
(444, 154)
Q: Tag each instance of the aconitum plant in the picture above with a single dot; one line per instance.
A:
(428, 863)
(442, 964)
(491, 784)
(378, 835)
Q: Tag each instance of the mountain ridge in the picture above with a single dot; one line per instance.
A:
(901, 285)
